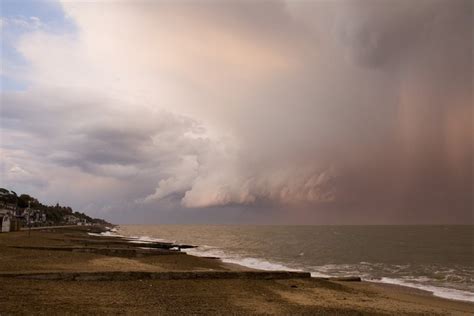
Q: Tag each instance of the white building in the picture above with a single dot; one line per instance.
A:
(4, 220)
(6, 223)
(71, 219)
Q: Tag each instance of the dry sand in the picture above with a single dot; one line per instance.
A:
(178, 297)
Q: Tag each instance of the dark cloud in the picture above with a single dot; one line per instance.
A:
(339, 112)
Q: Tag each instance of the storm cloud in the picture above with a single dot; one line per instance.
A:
(326, 112)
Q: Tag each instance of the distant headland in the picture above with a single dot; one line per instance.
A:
(24, 210)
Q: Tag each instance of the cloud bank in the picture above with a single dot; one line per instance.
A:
(351, 111)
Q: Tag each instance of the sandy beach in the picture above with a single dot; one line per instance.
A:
(66, 271)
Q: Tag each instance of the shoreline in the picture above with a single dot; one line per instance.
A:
(171, 282)
(447, 293)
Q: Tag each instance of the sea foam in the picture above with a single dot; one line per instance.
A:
(448, 293)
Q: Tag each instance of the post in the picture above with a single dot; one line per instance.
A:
(29, 219)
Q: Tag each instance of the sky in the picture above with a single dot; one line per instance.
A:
(241, 112)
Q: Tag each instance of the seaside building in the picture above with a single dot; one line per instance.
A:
(71, 219)
(8, 206)
(9, 222)
(6, 223)
(4, 218)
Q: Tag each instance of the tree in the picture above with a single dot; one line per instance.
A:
(26, 200)
(54, 213)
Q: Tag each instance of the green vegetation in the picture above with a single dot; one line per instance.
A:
(54, 214)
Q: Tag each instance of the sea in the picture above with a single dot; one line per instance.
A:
(438, 259)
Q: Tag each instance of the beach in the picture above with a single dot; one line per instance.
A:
(68, 271)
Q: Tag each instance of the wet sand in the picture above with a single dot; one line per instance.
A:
(61, 251)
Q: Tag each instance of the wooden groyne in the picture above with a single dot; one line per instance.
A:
(171, 275)
(108, 251)
(129, 243)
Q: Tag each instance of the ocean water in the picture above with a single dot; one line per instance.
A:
(439, 259)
